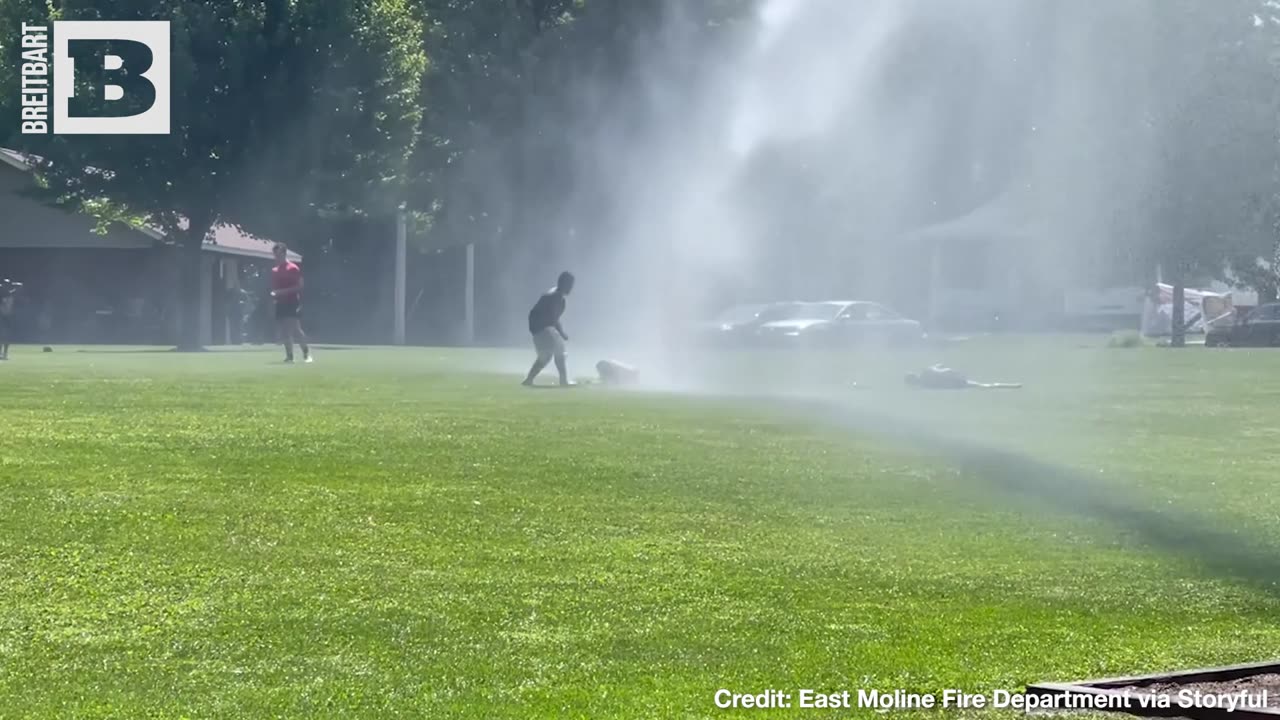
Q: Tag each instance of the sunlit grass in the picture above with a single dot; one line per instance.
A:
(388, 534)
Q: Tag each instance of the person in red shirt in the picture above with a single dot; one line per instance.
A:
(286, 292)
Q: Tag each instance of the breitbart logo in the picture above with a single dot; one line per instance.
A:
(108, 78)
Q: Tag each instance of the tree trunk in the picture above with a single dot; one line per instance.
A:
(1273, 286)
(190, 256)
(1179, 329)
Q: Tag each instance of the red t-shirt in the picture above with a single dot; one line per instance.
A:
(286, 275)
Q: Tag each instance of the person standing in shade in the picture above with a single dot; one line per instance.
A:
(286, 291)
(8, 295)
(548, 336)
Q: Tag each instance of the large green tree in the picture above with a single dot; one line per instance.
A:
(280, 109)
(485, 55)
(1211, 112)
(1257, 258)
(514, 91)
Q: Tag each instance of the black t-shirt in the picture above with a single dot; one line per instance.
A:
(546, 312)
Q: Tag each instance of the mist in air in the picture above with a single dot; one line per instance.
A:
(807, 155)
(816, 153)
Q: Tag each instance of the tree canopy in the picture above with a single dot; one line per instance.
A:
(279, 108)
(482, 117)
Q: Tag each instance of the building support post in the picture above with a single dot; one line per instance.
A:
(469, 300)
(935, 283)
(398, 334)
(208, 267)
(234, 314)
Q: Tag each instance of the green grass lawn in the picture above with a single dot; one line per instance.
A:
(408, 533)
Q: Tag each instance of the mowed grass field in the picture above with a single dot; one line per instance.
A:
(408, 533)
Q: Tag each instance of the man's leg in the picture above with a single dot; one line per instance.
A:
(561, 367)
(543, 346)
(538, 365)
(558, 352)
(286, 337)
(302, 339)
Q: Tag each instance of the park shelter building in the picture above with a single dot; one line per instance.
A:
(118, 287)
(1002, 266)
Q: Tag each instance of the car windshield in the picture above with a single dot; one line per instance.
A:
(878, 312)
(780, 311)
(739, 314)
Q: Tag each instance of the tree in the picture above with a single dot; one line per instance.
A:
(508, 101)
(483, 54)
(279, 109)
(1213, 122)
(1257, 260)
(1256, 263)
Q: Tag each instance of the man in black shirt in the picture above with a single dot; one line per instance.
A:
(544, 325)
(8, 299)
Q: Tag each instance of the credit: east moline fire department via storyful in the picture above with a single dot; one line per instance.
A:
(810, 699)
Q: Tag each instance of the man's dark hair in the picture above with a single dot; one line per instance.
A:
(280, 247)
(565, 280)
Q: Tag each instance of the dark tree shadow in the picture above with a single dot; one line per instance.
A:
(239, 349)
(1218, 546)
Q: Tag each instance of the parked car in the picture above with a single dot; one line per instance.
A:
(842, 323)
(737, 325)
(1259, 328)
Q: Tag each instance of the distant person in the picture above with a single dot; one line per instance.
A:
(286, 291)
(8, 300)
(548, 336)
(613, 372)
(939, 377)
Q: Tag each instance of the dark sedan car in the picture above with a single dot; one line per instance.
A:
(843, 322)
(1260, 328)
(737, 325)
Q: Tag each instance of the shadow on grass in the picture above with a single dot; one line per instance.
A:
(1219, 546)
(231, 349)
(138, 351)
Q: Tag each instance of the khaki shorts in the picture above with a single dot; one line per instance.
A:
(548, 342)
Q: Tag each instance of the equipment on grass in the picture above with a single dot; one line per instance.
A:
(613, 372)
(940, 377)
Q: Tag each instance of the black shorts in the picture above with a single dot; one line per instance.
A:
(6, 327)
(286, 310)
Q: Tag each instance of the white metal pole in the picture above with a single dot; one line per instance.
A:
(469, 301)
(401, 231)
